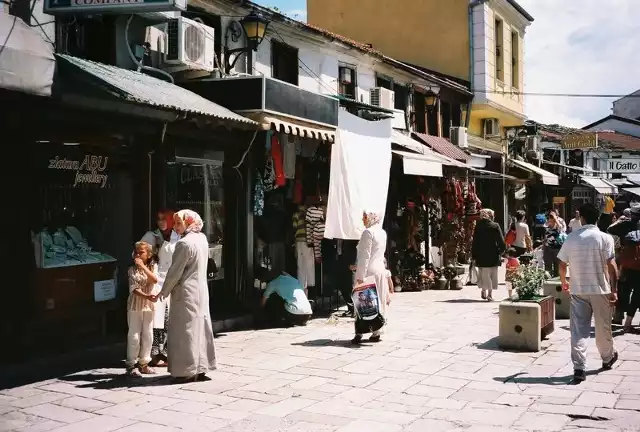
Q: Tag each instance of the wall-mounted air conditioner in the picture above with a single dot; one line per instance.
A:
(382, 97)
(532, 143)
(189, 45)
(458, 136)
(491, 127)
(399, 120)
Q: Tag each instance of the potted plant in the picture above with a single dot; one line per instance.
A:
(527, 317)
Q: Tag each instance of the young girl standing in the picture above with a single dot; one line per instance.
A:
(140, 307)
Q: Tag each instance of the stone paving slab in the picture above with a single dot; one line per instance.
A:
(438, 368)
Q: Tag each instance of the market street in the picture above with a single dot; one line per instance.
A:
(437, 369)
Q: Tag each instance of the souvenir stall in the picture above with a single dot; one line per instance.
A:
(411, 203)
(291, 181)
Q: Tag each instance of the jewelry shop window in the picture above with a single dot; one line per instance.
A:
(198, 185)
(81, 222)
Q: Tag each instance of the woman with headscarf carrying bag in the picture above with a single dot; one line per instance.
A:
(370, 266)
(191, 347)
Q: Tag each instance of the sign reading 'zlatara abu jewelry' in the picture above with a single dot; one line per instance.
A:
(623, 166)
(88, 170)
(579, 141)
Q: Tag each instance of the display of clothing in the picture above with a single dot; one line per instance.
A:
(315, 229)
(276, 154)
(289, 157)
(258, 195)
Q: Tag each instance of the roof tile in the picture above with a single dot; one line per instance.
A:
(443, 146)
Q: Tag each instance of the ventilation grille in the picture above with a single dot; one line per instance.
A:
(173, 48)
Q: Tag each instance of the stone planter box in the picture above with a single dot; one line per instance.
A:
(523, 324)
(562, 299)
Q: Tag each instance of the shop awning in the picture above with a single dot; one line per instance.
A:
(27, 63)
(442, 146)
(635, 190)
(80, 76)
(420, 164)
(600, 185)
(571, 167)
(547, 177)
(409, 143)
(294, 127)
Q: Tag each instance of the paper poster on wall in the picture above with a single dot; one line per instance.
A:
(104, 290)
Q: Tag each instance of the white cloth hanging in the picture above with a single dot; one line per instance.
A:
(359, 180)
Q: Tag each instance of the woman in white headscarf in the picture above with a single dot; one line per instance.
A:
(191, 349)
(370, 263)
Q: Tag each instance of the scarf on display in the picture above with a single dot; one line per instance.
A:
(192, 221)
(372, 219)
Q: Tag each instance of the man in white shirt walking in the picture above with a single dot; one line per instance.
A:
(594, 282)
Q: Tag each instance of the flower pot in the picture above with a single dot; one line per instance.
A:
(553, 288)
(525, 323)
(397, 288)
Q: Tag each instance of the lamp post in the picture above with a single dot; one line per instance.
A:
(254, 27)
(431, 100)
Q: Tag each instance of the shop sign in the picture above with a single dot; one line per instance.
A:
(559, 200)
(60, 7)
(88, 170)
(623, 166)
(104, 290)
(579, 141)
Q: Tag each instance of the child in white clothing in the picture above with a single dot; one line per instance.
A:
(140, 307)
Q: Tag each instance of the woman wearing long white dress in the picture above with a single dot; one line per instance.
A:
(191, 348)
(370, 263)
(163, 240)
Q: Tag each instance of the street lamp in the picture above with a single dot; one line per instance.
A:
(431, 100)
(254, 27)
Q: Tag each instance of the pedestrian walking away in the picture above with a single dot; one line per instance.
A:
(594, 279)
(487, 248)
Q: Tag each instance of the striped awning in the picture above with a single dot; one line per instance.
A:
(295, 127)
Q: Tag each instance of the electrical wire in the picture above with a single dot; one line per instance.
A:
(13, 25)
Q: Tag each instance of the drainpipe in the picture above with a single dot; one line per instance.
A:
(472, 5)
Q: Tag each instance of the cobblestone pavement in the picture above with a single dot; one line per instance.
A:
(437, 369)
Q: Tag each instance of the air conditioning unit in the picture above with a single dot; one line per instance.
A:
(189, 45)
(491, 127)
(458, 136)
(399, 120)
(532, 143)
(382, 97)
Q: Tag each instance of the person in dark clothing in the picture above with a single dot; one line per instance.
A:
(486, 251)
(629, 278)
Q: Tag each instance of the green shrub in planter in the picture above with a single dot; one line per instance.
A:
(528, 281)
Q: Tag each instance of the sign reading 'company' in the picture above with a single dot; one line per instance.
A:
(623, 166)
(89, 7)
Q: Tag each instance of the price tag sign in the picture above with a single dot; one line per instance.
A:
(104, 290)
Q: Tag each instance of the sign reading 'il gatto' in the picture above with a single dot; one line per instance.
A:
(88, 170)
(623, 166)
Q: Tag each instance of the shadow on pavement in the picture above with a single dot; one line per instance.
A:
(549, 380)
(331, 342)
(616, 330)
(50, 367)
(463, 301)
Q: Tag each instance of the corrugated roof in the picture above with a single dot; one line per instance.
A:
(441, 145)
(616, 139)
(144, 89)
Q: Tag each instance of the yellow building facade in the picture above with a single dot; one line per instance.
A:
(480, 42)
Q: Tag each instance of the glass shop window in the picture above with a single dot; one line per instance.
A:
(199, 186)
(82, 206)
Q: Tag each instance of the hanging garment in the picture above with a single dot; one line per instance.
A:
(289, 157)
(258, 195)
(276, 154)
(315, 230)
